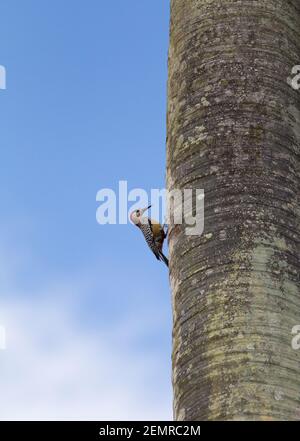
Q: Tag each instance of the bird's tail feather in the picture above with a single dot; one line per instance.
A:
(164, 258)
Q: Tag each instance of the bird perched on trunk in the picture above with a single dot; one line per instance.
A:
(153, 232)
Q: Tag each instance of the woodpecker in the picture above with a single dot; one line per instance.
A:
(153, 232)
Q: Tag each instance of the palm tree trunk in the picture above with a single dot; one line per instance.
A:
(234, 131)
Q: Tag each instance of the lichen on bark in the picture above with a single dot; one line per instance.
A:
(234, 130)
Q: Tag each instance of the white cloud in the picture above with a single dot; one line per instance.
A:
(55, 368)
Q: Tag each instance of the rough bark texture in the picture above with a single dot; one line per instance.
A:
(234, 130)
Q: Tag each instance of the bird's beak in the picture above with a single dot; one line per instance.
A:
(145, 209)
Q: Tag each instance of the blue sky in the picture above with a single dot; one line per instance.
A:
(86, 308)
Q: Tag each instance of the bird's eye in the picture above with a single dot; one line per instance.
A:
(137, 212)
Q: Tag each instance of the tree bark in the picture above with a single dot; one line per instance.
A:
(234, 131)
